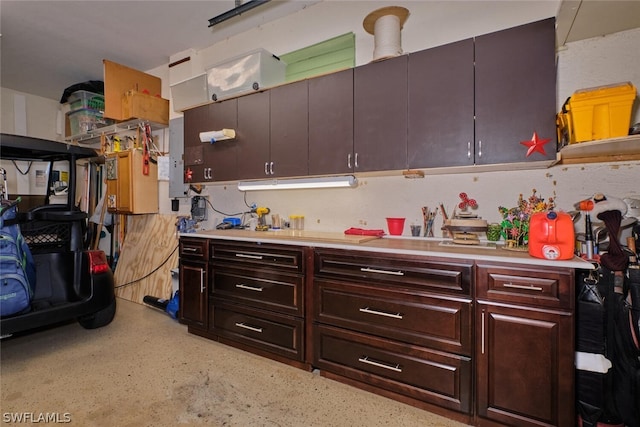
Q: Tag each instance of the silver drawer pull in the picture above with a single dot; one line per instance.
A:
(250, 288)
(374, 270)
(249, 256)
(527, 287)
(188, 249)
(251, 328)
(381, 313)
(394, 368)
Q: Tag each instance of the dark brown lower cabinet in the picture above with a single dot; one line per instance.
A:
(256, 299)
(523, 366)
(421, 373)
(484, 343)
(525, 345)
(399, 324)
(193, 283)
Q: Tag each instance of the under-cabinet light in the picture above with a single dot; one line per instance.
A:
(299, 183)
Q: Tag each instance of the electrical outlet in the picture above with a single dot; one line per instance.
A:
(198, 208)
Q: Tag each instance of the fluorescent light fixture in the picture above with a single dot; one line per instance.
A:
(299, 183)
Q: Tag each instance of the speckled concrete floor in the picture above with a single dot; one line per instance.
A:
(145, 370)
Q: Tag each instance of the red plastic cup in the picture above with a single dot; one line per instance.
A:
(396, 226)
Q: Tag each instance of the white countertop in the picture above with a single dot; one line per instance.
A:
(388, 244)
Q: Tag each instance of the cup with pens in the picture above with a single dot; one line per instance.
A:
(428, 219)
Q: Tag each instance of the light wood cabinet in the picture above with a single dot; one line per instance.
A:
(129, 189)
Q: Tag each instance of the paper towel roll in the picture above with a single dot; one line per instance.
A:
(217, 135)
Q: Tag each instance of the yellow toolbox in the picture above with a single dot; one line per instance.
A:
(597, 113)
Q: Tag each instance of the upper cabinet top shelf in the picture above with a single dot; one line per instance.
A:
(624, 148)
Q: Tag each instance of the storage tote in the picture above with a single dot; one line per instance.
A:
(601, 112)
(256, 70)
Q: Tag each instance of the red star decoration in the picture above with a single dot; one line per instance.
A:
(535, 144)
(188, 175)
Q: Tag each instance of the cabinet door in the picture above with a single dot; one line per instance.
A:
(221, 155)
(193, 293)
(125, 181)
(380, 115)
(441, 106)
(331, 123)
(252, 137)
(289, 154)
(195, 121)
(515, 93)
(525, 366)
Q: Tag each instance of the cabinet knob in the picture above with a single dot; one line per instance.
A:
(266, 168)
(480, 148)
(271, 168)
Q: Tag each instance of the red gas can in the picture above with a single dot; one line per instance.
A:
(551, 235)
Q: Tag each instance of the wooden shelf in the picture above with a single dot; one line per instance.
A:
(605, 150)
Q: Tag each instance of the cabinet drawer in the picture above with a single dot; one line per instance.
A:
(284, 258)
(440, 378)
(439, 275)
(268, 290)
(439, 322)
(194, 249)
(268, 331)
(536, 286)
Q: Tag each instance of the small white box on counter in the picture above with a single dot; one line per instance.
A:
(252, 71)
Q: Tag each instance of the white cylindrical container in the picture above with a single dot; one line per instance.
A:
(386, 24)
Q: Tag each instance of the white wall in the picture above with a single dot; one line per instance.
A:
(39, 115)
(599, 61)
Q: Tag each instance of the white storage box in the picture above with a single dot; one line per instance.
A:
(190, 93)
(256, 70)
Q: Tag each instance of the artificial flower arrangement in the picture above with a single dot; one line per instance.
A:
(515, 221)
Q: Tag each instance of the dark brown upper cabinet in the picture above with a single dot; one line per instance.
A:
(380, 115)
(289, 152)
(510, 90)
(221, 156)
(441, 106)
(515, 93)
(253, 136)
(204, 160)
(331, 124)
